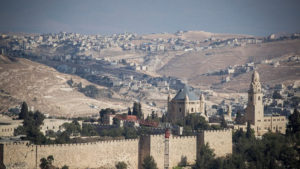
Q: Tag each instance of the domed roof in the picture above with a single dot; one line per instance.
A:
(186, 91)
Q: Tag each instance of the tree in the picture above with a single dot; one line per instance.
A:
(276, 95)
(239, 118)
(65, 167)
(137, 110)
(195, 121)
(293, 126)
(129, 111)
(183, 162)
(47, 163)
(149, 163)
(204, 157)
(121, 165)
(24, 111)
(104, 112)
(249, 132)
(223, 122)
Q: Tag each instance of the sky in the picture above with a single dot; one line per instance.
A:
(254, 17)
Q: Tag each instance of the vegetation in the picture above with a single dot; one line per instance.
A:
(127, 132)
(47, 163)
(137, 110)
(183, 162)
(273, 151)
(149, 163)
(89, 90)
(121, 165)
(104, 112)
(276, 95)
(193, 122)
(31, 126)
(239, 118)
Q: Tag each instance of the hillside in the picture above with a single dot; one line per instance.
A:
(191, 66)
(45, 89)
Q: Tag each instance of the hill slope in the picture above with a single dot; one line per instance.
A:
(45, 89)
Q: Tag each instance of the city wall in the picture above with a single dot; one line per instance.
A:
(85, 155)
(218, 140)
(106, 154)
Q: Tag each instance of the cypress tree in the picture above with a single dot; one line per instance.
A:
(24, 111)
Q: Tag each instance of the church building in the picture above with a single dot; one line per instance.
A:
(260, 122)
(185, 102)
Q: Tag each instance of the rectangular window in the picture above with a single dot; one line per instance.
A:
(265, 120)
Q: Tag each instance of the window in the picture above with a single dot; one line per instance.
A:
(258, 120)
(179, 109)
(274, 119)
(269, 120)
(282, 119)
(192, 110)
(278, 119)
(265, 120)
(258, 97)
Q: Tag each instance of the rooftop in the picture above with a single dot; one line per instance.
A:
(186, 91)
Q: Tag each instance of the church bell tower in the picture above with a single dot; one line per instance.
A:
(255, 108)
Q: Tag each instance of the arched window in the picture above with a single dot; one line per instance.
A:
(192, 110)
(258, 97)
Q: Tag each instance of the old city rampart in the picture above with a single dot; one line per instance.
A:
(106, 154)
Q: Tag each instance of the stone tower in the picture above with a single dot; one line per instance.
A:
(255, 108)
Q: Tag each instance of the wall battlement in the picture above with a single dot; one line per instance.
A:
(131, 151)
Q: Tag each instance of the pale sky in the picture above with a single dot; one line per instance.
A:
(255, 17)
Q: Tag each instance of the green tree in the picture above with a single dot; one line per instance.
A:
(137, 110)
(65, 167)
(104, 112)
(293, 126)
(121, 165)
(195, 121)
(24, 111)
(130, 133)
(47, 163)
(205, 157)
(276, 95)
(149, 163)
(129, 111)
(249, 132)
(239, 118)
(223, 122)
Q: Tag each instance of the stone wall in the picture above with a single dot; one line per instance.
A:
(182, 147)
(106, 154)
(86, 155)
(219, 140)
